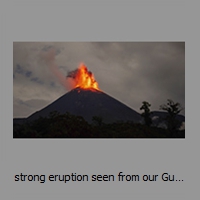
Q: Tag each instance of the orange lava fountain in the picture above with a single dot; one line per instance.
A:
(85, 79)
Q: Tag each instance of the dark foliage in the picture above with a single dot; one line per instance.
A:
(146, 114)
(71, 126)
(173, 109)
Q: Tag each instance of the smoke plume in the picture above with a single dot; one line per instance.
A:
(49, 58)
(80, 77)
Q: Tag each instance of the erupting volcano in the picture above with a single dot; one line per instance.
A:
(83, 78)
(87, 100)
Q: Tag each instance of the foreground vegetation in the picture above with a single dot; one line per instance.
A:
(70, 126)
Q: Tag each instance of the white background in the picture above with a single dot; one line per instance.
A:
(99, 21)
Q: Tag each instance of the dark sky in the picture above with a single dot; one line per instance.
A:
(131, 72)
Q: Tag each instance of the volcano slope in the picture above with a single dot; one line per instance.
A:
(88, 103)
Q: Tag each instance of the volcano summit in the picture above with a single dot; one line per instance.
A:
(88, 103)
(87, 100)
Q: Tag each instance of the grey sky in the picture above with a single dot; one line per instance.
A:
(131, 72)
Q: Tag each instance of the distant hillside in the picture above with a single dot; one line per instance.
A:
(159, 117)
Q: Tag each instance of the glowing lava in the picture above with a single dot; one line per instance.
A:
(85, 79)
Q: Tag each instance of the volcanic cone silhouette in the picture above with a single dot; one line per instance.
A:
(88, 103)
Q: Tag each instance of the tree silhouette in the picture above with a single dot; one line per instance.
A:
(173, 110)
(146, 114)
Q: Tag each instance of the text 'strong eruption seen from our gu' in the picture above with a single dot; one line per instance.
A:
(83, 78)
